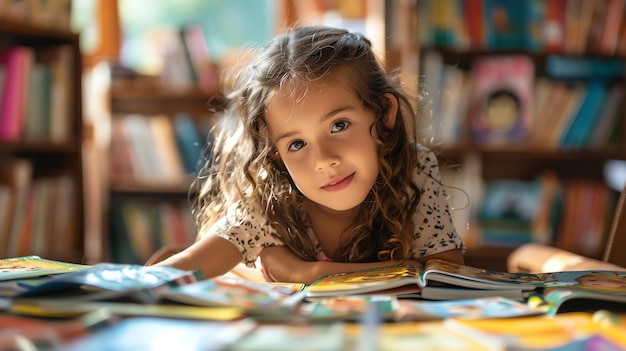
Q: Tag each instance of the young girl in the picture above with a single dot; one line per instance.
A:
(316, 169)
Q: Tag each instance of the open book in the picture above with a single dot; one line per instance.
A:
(442, 280)
(442, 277)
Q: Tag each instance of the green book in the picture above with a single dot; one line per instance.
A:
(34, 266)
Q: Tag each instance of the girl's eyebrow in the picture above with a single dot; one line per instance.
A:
(329, 115)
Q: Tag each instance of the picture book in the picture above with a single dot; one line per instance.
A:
(278, 337)
(501, 99)
(429, 335)
(259, 299)
(108, 280)
(486, 307)
(405, 279)
(564, 331)
(71, 308)
(348, 308)
(154, 333)
(583, 291)
(34, 266)
(51, 333)
(442, 280)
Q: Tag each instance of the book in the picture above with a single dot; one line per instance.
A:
(110, 281)
(403, 280)
(484, 307)
(506, 24)
(16, 174)
(438, 278)
(188, 140)
(259, 299)
(565, 67)
(583, 122)
(160, 285)
(561, 332)
(34, 266)
(429, 336)
(68, 308)
(349, 308)
(150, 333)
(501, 99)
(51, 333)
(278, 337)
(606, 290)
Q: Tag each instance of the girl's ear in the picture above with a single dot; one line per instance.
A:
(392, 114)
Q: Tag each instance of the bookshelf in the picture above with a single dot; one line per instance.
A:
(41, 165)
(150, 209)
(449, 43)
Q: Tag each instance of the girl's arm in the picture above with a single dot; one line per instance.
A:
(212, 255)
(282, 265)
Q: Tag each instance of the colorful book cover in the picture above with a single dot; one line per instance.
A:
(254, 298)
(278, 337)
(113, 277)
(155, 333)
(545, 332)
(582, 290)
(34, 266)
(406, 279)
(501, 99)
(487, 307)
(349, 308)
(505, 22)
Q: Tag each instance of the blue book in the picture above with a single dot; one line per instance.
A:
(188, 140)
(505, 22)
(560, 67)
(105, 281)
(583, 123)
(534, 17)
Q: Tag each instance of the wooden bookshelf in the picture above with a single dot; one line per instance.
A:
(50, 159)
(407, 46)
(133, 197)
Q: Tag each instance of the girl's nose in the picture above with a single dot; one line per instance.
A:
(326, 158)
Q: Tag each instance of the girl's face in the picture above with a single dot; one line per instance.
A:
(323, 137)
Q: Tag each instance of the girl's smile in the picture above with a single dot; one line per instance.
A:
(338, 185)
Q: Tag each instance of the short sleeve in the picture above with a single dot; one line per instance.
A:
(434, 229)
(249, 235)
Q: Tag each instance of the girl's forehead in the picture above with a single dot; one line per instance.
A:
(299, 91)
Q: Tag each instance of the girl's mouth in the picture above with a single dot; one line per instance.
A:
(341, 184)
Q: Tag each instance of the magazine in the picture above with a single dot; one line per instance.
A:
(34, 266)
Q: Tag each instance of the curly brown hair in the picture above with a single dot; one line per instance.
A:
(244, 172)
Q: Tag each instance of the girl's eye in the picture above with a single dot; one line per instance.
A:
(339, 126)
(296, 145)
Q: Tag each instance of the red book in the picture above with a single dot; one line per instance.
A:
(16, 61)
(555, 26)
